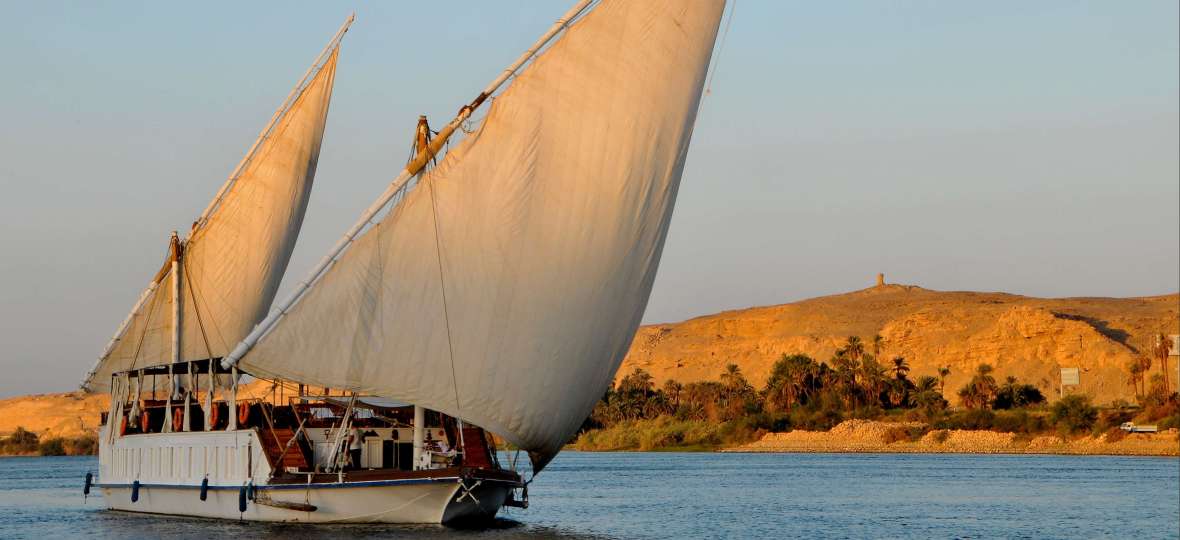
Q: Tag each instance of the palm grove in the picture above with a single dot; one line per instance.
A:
(802, 393)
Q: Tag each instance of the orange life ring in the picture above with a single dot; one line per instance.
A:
(243, 412)
(123, 428)
(143, 421)
(177, 418)
(214, 416)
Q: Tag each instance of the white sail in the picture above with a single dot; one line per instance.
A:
(235, 257)
(506, 287)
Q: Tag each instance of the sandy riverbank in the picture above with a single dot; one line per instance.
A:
(888, 437)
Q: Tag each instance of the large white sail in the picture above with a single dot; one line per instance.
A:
(235, 256)
(506, 287)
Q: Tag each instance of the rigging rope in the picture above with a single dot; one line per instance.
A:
(147, 320)
(192, 291)
(721, 47)
(443, 289)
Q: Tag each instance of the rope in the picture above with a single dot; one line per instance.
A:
(721, 47)
(192, 292)
(443, 288)
(142, 335)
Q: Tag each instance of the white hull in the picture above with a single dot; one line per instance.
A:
(431, 501)
(170, 468)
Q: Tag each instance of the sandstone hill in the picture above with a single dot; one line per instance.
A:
(1030, 338)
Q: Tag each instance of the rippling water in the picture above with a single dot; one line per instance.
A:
(668, 495)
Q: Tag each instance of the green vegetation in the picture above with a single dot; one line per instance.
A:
(801, 393)
(1074, 413)
(23, 442)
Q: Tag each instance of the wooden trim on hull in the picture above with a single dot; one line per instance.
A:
(454, 473)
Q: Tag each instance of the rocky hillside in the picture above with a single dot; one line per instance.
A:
(1030, 338)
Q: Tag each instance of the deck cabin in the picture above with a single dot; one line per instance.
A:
(289, 436)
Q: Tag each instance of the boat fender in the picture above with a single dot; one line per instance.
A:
(135, 491)
(123, 427)
(242, 499)
(243, 413)
(214, 416)
(143, 420)
(177, 419)
(204, 488)
(251, 491)
(89, 481)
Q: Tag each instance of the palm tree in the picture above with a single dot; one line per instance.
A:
(638, 381)
(1163, 348)
(732, 377)
(926, 383)
(900, 368)
(981, 390)
(872, 377)
(897, 392)
(672, 391)
(1008, 396)
(1135, 368)
(789, 380)
(844, 378)
(1145, 363)
(942, 374)
(854, 348)
(878, 344)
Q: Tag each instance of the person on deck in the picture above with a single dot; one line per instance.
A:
(354, 447)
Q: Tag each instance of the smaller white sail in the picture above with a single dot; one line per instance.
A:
(235, 257)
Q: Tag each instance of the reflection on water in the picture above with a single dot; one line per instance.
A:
(666, 495)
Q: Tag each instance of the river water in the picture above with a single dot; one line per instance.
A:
(704, 495)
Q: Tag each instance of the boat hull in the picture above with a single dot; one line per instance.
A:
(445, 501)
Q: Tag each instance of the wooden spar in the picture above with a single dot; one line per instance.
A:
(396, 186)
(291, 97)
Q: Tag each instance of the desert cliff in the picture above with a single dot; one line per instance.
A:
(1028, 337)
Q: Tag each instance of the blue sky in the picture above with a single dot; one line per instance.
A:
(1027, 147)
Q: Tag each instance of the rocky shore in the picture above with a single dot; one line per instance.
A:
(912, 437)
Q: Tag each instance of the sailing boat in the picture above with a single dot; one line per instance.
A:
(495, 286)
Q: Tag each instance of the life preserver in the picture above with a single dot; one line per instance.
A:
(123, 428)
(143, 420)
(243, 412)
(177, 419)
(214, 416)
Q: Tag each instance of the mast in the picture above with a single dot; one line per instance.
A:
(176, 312)
(411, 169)
(173, 382)
(419, 434)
